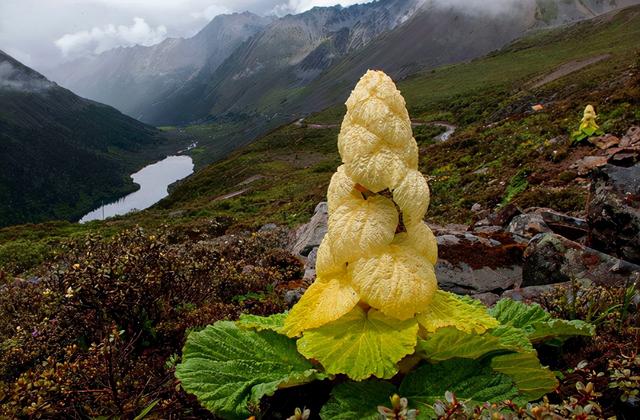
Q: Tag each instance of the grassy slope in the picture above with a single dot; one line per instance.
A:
(297, 162)
(487, 98)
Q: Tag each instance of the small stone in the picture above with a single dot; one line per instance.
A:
(309, 274)
(268, 227)
(528, 225)
(476, 208)
(310, 264)
(291, 297)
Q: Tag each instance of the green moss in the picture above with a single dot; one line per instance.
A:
(517, 185)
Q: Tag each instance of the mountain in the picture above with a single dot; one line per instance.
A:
(282, 176)
(132, 79)
(263, 72)
(303, 63)
(60, 154)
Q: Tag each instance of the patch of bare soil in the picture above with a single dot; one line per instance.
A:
(566, 69)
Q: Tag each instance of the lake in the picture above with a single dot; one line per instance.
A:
(154, 181)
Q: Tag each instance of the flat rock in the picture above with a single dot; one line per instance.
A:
(562, 224)
(470, 264)
(488, 229)
(551, 259)
(604, 142)
(589, 163)
(488, 298)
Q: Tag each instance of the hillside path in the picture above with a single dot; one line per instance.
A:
(568, 68)
(450, 128)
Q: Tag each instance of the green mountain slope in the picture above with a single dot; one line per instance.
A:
(498, 140)
(60, 155)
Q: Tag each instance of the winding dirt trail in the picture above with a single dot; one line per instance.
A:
(450, 128)
(566, 69)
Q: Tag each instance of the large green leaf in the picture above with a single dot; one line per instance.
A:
(512, 338)
(357, 400)
(229, 368)
(519, 315)
(469, 380)
(361, 344)
(559, 329)
(538, 324)
(450, 343)
(273, 322)
(525, 369)
(450, 310)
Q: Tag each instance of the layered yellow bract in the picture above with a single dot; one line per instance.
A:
(378, 252)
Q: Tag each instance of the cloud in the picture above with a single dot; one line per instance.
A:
(100, 39)
(12, 78)
(210, 12)
(299, 6)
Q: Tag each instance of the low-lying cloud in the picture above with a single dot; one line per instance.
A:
(100, 39)
(299, 6)
(12, 78)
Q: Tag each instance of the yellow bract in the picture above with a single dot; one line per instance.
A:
(325, 300)
(359, 226)
(399, 282)
(376, 170)
(341, 189)
(412, 196)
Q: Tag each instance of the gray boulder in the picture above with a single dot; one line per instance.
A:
(551, 258)
(310, 235)
(614, 211)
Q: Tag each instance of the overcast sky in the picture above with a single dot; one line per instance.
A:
(43, 33)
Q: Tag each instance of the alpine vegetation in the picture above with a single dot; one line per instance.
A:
(375, 309)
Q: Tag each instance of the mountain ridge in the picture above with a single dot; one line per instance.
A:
(62, 154)
(129, 78)
(280, 68)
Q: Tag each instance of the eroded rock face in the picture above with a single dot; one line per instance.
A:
(551, 258)
(632, 138)
(470, 264)
(309, 236)
(614, 211)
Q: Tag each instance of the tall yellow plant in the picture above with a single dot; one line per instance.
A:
(588, 125)
(375, 266)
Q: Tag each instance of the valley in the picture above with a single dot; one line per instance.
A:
(530, 225)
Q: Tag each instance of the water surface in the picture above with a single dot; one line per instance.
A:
(154, 180)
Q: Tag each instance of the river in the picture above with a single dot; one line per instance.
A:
(154, 181)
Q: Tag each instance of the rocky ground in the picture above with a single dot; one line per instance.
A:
(524, 253)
